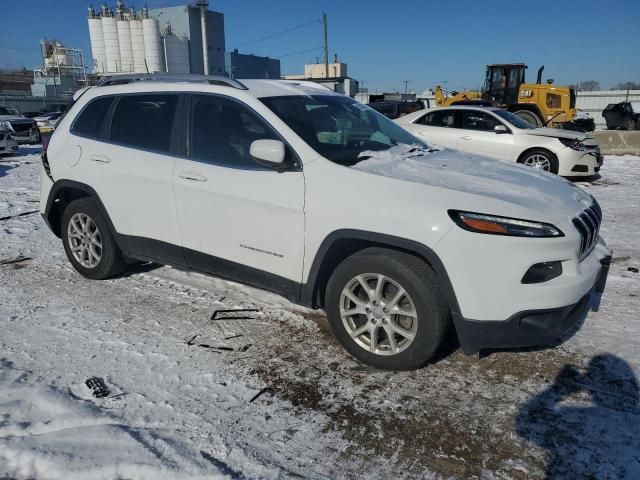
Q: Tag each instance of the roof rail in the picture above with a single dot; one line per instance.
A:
(308, 83)
(122, 79)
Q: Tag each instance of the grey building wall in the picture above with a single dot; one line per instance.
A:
(239, 65)
(185, 21)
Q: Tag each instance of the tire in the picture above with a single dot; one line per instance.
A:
(540, 158)
(425, 328)
(630, 124)
(99, 262)
(530, 117)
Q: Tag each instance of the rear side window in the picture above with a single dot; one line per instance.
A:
(439, 118)
(144, 121)
(89, 122)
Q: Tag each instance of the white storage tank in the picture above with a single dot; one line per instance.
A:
(97, 45)
(111, 44)
(126, 51)
(137, 46)
(176, 51)
(152, 45)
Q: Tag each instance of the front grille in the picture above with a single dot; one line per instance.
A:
(588, 226)
(22, 126)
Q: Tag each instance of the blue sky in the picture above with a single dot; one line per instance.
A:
(384, 43)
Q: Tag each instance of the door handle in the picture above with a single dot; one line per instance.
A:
(100, 159)
(466, 137)
(194, 177)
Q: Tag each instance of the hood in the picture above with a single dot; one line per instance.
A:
(527, 187)
(14, 118)
(557, 133)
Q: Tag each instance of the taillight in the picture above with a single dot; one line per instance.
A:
(45, 143)
(43, 156)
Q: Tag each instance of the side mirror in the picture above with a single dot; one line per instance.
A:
(500, 129)
(268, 152)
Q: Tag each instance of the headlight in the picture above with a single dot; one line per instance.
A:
(5, 125)
(496, 225)
(573, 143)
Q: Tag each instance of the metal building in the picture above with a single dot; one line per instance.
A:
(185, 22)
(240, 65)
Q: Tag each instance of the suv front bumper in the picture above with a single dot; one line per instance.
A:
(528, 328)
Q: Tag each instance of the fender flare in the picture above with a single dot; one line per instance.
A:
(310, 288)
(54, 195)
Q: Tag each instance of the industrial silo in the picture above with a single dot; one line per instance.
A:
(111, 43)
(137, 45)
(124, 40)
(97, 43)
(152, 44)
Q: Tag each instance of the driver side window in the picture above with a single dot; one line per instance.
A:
(475, 120)
(221, 132)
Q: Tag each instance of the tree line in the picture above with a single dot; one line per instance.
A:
(592, 85)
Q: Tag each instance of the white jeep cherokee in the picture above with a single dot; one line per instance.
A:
(290, 187)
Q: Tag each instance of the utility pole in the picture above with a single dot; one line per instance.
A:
(406, 85)
(626, 99)
(326, 46)
(203, 26)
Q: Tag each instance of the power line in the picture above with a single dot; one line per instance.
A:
(299, 52)
(279, 33)
(8, 47)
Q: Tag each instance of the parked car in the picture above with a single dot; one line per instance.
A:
(624, 115)
(500, 134)
(8, 144)
(23, 129)
(392, 109)
(290, 187)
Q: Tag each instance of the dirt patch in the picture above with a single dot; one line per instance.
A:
(454, 417)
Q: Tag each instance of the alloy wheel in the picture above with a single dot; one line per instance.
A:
(538, 161)
(378, 314)
(84, 240)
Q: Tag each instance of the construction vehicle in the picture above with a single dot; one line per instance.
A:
(540, 104)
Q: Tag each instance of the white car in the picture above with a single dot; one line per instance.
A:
(8, 144)
(290, 187)
(23, 129)
(500, 134)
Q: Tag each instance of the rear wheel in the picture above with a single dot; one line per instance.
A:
(530, 117)
(88, 242)
(386, 309)
(540, 159)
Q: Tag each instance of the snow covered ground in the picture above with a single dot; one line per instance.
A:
(273, 395)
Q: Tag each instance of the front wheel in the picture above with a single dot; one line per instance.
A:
(540, 159)
(386, 309)
(631, 124)
(88, 242)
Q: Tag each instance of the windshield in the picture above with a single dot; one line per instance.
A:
(8, 111)
(514, 120)
(339, 128)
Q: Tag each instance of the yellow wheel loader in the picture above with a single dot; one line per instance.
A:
(538, 103)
